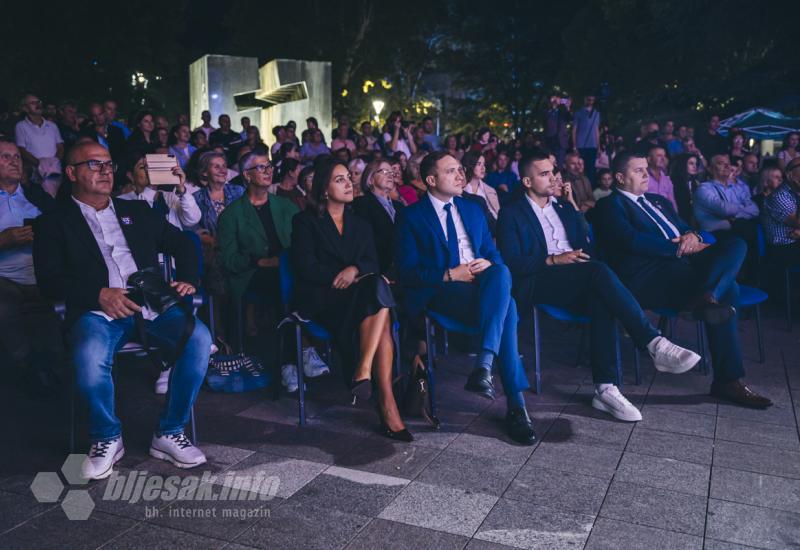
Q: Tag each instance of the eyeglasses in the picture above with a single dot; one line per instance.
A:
(262, 168)
(8, 157)
(98, 165)
(384, 171)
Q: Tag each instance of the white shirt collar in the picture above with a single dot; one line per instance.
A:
(631, 196)
(551, 201)
(86, 208)
(438, 204)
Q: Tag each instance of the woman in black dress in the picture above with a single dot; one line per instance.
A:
(339, 285)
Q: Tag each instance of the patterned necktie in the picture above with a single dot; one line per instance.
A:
(656, 218)
(452, 238)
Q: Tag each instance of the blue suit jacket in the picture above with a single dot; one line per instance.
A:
(421, 248)
(631, 242)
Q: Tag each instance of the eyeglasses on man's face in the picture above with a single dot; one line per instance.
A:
(262, 168)
(98, 165)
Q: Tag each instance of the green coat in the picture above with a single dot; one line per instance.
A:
(242, 240)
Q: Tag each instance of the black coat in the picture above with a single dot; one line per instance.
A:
(369, 208)
(69, 265)
(319, 253)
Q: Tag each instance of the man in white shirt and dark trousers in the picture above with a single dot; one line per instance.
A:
(84, 251)
(546, 248)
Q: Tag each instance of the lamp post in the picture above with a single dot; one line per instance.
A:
(378, 106)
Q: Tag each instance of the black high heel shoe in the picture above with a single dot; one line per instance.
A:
(361, 389)
(400, 435)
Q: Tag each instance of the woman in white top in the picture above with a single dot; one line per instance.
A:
(398, 138)
(475, 170)
(789, 150)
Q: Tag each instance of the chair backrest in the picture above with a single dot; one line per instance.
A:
(761, 239)
(286, 277)
(198, 248)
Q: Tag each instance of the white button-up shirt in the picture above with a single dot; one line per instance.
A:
(656, 209)
(554, 233)
(465, 252)
(114, 248)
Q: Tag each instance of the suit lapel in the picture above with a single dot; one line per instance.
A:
(78, 223)
(534, 222)
(336, 242)
(636, 212)
(430, 217)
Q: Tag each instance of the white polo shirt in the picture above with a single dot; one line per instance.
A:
(40, 141)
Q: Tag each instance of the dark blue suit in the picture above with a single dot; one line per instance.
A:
(635, 247)
(590, 287)
(422, 261)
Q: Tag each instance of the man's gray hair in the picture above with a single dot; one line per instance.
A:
(249, 161)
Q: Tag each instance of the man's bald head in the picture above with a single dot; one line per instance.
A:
(92, 182)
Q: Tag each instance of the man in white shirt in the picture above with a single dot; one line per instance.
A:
(178, 206)
(544, 244)
(40, 143)
(84, 251)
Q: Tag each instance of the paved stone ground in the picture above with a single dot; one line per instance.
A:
(694, 473)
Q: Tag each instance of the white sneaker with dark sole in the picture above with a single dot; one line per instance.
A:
(611, 401)
(671, 358)
(100, 460)
(176, 448)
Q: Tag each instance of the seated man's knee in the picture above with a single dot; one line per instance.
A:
(499, 272)
(92, 358)
(201, 337)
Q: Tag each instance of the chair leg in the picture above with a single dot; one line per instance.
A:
(301, 391)
(212, 325)
(761, 356)
(637, 372)
(193, 426)
(429, 338)
(445, 342)
(788, 294)
(537, 353)
(240, 325)
(618, 358)
(73, 390)
(705, 361)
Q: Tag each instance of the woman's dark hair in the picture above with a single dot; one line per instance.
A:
(732, 136)
(192, 174)
(683, 185)
(482, 131)
(304, 173)
(285, 148)
(785, 144)
(602, 172)
(137, 118)
(469, 161)
(173, 139)
(323, 172)
(312, 120)
(287, 166)
(193, 138)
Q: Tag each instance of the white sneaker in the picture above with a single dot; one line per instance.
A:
(610, 400)
(313, 365)
(671, 358)
(289, 377)
(162, 384)
(176, 448)
(101, 458)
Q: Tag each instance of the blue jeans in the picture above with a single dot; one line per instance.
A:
(95, 341)
(487, 303)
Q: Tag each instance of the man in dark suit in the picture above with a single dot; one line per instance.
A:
(667, 265)
(546, 248)
(448, 263)
(84, 251)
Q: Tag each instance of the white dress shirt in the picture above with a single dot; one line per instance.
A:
(114, 248)
(656, 209)
(554, 233)
(183, 210)
(465, 251)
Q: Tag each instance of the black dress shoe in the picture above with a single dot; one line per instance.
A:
(519, 426)
(737, 392)
(713, 313)
(400, 435)
(480, 382)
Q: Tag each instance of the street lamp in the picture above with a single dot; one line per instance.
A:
(378, 105)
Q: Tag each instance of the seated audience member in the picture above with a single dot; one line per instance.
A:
(67, 123)
(215, 194)
(411, 189)
(143, 138)
(475, 170)
(780, 218)
(206, 126)
(199, 140)
(356, 167)
(109, 136)
(790, 149)
(338, 284)
(666, 265)
(581, 186)
(313, 148)
(279, 133)
(684, 170)
(770, 179)
(659, 181)
(226, 138)
(179, 145)
(38, 139)
(304, 182)
(30, 335)
(397, 138)
(110, 107)
(177, 206)
(376, 206)
(724, 207)
(84, 251)
(447, 263)
(287, 186)
(503, 179)
(605, 182)
(546, 248)
(162, 140)
(343, 136)
(750, 172)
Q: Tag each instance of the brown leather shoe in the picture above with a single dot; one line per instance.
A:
(737, 392)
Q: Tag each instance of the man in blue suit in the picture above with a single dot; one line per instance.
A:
(447, 263)
(667, 265)
(547, 250)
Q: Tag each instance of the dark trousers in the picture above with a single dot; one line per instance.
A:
(592, 289)
(787, 255)
(27, 321)
(673, 283)
(747, 230)
(589, 156)
(487, 303)
(266, 284)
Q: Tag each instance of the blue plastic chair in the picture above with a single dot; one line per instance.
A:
(432, 319)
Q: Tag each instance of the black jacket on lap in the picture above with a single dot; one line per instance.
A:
(69, 265)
